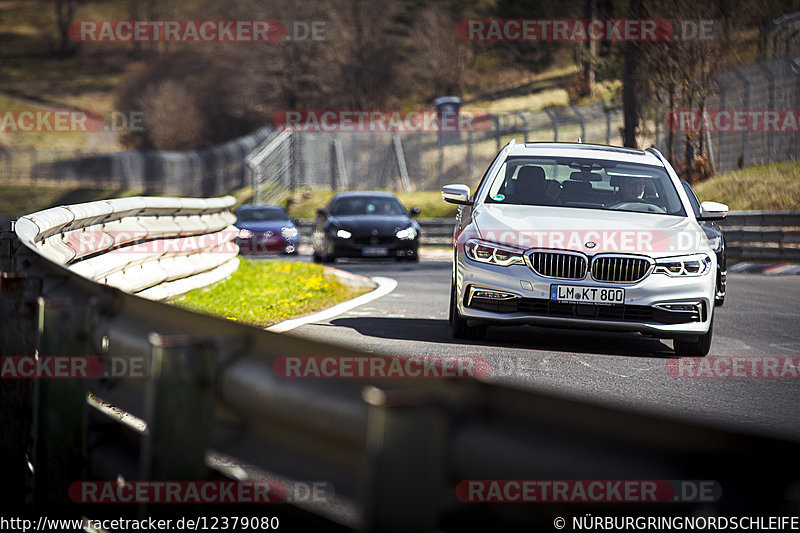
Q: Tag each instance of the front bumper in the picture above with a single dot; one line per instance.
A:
(397, 248)
(266, 244)
(530, 304)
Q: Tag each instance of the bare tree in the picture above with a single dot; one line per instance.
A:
(680, 75)
(589, 52)
(365, 51)
(438, 59)
(65, 14)
(631, 85)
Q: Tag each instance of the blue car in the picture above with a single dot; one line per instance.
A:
(264, 229)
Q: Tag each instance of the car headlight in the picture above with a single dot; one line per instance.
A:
(715, 243)
(493, 253)
(289, 233)
(408, 234)
(343, 234)
(687, 265)
(245, 234)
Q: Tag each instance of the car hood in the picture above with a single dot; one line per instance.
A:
(572, 228)
(364, 224)
(266, 225)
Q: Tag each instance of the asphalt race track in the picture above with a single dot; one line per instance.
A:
(760, 318)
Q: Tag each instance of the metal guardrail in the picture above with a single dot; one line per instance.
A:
(395, 448)
(151, 246)
(762, 234)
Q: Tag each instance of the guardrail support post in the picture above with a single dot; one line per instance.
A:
(18, 297)
(178, 408)
(8, 245)
(60, 408)
(405, 455)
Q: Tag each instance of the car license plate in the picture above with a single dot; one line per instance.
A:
(375, 251)
(592, 295)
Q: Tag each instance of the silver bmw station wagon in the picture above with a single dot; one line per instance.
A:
(583, 236)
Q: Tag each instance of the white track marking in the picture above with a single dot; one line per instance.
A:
(385, 286)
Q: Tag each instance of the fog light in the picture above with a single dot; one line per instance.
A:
(489, 294)
(682, 307)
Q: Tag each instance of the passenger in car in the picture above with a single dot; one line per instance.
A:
(530, 185)
(576, 191)
(631, 189)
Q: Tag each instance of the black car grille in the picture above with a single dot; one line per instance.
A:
(614, 313)
(374, 240)
(558, 265)
(620, 269)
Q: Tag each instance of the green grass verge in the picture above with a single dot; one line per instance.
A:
(770, 187)
(261, 293)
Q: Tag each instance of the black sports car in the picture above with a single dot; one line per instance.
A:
(365, 224)
(717, 240)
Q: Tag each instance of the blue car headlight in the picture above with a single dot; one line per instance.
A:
(289, 233)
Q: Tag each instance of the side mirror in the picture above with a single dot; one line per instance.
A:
(414, 211)
(296, 221)
(456, 194)
(713, 211)
(322, 212)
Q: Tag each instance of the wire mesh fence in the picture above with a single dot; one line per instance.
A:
(426, 160)
(272, 160)
(203, 173)
(751, 118)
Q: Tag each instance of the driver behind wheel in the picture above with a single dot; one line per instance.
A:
(631, 189)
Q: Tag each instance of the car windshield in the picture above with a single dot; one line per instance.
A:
(262, 214)
(585, 183)
(367, 205)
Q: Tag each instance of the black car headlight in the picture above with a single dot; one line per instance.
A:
(493, 253)
(685, 265)
(341, 233)
(408, 234)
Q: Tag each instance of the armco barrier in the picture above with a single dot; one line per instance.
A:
(395, 449)
(771, 235)
(151, 246)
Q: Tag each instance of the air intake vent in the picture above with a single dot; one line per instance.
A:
(558, 264)
(620, 269)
